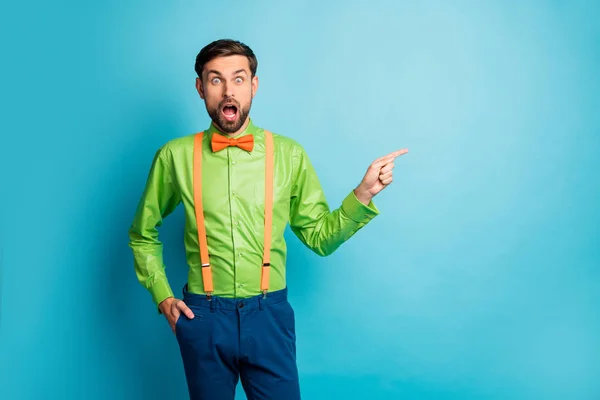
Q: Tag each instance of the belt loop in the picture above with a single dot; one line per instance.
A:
(212, 303)
(261, 303)
(184, 289)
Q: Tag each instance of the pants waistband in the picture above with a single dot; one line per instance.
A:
(258, 302)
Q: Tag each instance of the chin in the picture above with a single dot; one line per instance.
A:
(230, 126)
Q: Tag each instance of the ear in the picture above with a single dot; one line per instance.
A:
(254, 85)
(199, 88)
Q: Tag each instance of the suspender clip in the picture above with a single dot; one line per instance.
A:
(265, 294)
(209, 296)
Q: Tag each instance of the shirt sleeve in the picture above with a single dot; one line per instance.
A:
(160, 197)
(311, 220)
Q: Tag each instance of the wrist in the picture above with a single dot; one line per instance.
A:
(166, 304)
(363, 195)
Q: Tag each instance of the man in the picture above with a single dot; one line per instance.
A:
(240, 186)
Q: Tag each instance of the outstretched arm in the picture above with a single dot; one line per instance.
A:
(311, 220)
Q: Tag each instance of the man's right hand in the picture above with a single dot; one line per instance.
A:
(172, 309)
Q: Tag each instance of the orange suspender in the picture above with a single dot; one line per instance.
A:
(266, 267)
(206, 271)
(204, 258)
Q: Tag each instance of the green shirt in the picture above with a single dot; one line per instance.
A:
(233, 197)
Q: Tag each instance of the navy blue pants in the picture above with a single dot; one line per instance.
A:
(253, 339)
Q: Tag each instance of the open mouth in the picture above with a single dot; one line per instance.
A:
(230, 112)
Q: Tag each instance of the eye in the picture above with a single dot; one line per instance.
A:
(215, 81)
(239, 80)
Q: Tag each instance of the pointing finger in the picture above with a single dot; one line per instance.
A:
(382, 162)
(388, 158)
(397, 153)
(393, 154)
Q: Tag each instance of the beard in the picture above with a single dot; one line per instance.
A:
(225, 125)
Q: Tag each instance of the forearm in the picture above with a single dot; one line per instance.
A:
(327, 231)
(149, 267)
(320, 229)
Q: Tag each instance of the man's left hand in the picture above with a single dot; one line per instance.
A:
(378, 177)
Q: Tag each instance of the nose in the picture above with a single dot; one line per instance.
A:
(227, 90)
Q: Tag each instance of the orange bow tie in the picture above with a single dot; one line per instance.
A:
(220, 142)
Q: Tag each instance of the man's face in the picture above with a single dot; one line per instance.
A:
(227, 88)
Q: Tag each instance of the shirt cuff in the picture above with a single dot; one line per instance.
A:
(160, 290)
(357, 211)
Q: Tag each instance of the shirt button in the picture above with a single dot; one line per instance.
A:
(234, 162)
(234, 193)
(237, 222)
(240, 255)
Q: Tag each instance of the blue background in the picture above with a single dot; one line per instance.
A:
(479, 280)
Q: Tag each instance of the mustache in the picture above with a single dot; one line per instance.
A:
(228, 102)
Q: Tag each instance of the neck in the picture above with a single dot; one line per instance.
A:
(234, 134)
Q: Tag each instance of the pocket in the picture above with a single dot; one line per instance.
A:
(289, 309)
(189, 328)
(285, 318)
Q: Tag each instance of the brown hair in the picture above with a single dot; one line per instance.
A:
(224, 48)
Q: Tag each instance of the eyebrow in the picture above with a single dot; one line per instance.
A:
(214, 71)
